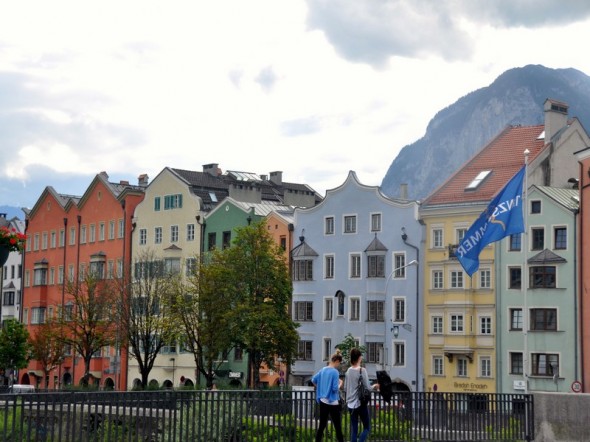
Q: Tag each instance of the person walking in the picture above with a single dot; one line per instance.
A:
(357, 409)
(328, 383)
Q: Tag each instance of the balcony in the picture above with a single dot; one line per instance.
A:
(453, 250)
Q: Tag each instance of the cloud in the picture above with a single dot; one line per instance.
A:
(266, 78)
(373, 31)
(301, 126)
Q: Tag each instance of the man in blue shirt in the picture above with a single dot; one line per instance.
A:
(328, 383)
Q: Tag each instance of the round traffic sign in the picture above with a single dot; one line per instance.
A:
(576, 386)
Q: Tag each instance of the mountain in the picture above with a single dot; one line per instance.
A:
(459, 131)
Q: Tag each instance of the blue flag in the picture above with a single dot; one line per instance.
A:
(503, 217)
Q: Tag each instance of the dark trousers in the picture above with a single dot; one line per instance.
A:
(361, 413)
(332, 411)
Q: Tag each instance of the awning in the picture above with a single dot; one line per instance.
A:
(96, 374)
(38, 373)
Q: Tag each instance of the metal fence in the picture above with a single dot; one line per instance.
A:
(255, 416)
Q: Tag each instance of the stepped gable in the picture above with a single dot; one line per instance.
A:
(503, 157)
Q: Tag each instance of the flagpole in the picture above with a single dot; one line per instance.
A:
(523, 277)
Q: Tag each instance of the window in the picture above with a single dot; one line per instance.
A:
(456, 279)
(516, 319)
(110, 269)
(437, 366)
(545, 364)
(158, 235)
(157, 204)
(375, 222)
(485, 279)
(101, 231)
(97, 269)
(44, 241)
(190, 232)
(173, 202)
(350, 224)
(40, 276)
(516, 363)
(376, 266)
(226, 239)
(399, 354)
(474, 184)
(92, 230)
(238, 353)
(303, 311)
(399, 310)
(355, 266)
(329, 225)
(538, 238)
(485, 367)
(437, 325)
(543, 319)
(36, 242)
(173, 233)
(328, 309)
(399, 262)
(437, 279)
(212, 240)
(52, 275)
(26, 316)
(437, 238)
(302, 270)
(304, 352)
(190, 266)
(535, 206)
(38, 315)
(514, 273)
(560, 238)
(72, 236)
(53, 239)
(8, 298)
(485, 325)
(60, 275)
(121, 231)
(340, 297)
(462, 367)
(327, 349)
(355, 309)
(83, 235)
(457, 323)
(515, 241)
(542, 277)
(62, 237)
(375, 311)
(374, 352)
(171, 266)
(112, 229)
(329, 267)
(142, 237)
(460, 234)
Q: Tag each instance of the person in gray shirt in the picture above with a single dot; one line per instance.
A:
(357, 409)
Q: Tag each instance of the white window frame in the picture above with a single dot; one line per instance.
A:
(485, 278)
(436, 366)
(356, 267)
(329, 266)
(437, 324)
(329, 225)
(354, 308)
(349, 224)
(456, 279)
(457, 323)
(485, 366)
(376, 222)
(437, 237)
(436, 284)
(328, 309)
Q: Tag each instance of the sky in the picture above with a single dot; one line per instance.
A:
(312, 88)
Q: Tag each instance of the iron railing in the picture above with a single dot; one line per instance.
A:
(255, 415)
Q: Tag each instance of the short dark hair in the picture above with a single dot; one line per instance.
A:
(355, 354)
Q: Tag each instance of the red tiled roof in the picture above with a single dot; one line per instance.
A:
(503, 156)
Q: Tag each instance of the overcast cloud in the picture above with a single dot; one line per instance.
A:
(314, 88)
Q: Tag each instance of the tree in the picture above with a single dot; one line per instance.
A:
(258, 278)
(198, 306)
(143, 310)
(88, 323)
(46, 344)
(14, 346)
(347, 344)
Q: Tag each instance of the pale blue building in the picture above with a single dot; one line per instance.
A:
(356, 270)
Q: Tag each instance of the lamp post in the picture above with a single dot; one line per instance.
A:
(173, 367)
(413, 262)
(405, 240)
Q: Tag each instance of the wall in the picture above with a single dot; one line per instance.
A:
(562, 417)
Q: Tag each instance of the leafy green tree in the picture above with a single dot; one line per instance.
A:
(201, 307)
(144, 313)
(14, 345)
(46, 344)
(347, 344)
(257, 278)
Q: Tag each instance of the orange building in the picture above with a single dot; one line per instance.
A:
(69, 235)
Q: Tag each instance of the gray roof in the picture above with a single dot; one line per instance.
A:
(569, 198)
(546, 257)
(376, 246)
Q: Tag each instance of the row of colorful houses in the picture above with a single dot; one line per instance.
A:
(382, 269)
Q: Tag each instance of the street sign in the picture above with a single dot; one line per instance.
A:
(576, 386)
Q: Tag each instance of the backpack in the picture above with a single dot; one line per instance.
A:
(364, 393)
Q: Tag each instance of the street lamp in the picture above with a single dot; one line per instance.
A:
(413, 262)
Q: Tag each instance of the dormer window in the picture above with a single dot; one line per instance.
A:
(478, 180)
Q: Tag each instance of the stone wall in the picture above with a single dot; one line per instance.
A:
(562, 417)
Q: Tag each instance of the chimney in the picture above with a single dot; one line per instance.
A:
(403, 191)
(143, 180)
(264, 177)
(277, 178)
(555, 117)
(212, 169)
(124, 183)
(104, 174)
(3, 215)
